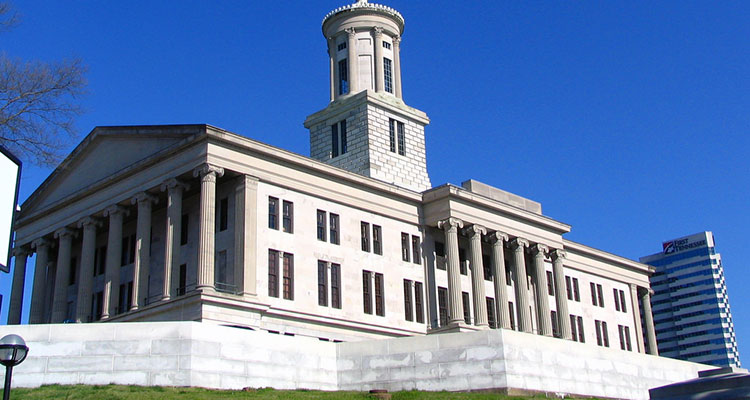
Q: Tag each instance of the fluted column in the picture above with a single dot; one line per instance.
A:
(517, 245)
(245, 234)
(451, 226)
(60, 300)
(497, 240)
(648, 317)
(114, 252)
(142, 249)
(19, 277)
(86, 280)
(38, 291)
(377, 34)
(208, 175)
(332, 66)
(173, 231)
(561, 296)
(475, 233)
(351, 47)
(397, 66)
(538, 252)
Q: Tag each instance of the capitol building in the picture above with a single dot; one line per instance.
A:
(355, 243)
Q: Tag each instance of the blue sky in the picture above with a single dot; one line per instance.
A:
(626, 119)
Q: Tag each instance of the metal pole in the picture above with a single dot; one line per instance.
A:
(6, 389)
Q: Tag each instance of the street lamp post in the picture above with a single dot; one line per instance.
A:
(13, 351)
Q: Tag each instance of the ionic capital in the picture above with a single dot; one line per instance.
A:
(496, 237)
(173, 184)
(474, 230)
(208, 172)
(115, 210)
(86, 222)
(450, 224)
(643, 291)
(377, 31)
(144, 197)
(351, 32)
(538, 250)
(557, 254)
(41, 242)
(396, 41)
(21, 251)
(518, 243)
(65, 232)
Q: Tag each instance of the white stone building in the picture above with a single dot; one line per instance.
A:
(194, 223)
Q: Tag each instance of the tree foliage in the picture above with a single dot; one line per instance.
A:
(38, 103)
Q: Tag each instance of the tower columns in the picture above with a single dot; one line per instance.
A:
(397, 66)
(16, 294)
(450, 226)
(645, 294)
(64, 249)
(173, 233)
(332, 65)
(351, 46)
(112, 269)
(208, 174)
(38, 291)
(86, 279)
(561, 298)
(475, 233)
(540, 276)
(497, 240)
(517, 245)
(377, 43)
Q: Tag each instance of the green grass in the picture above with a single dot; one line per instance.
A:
(119, 392)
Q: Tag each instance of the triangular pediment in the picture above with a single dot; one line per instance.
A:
(103, 154)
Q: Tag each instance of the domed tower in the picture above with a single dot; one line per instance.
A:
(367, 128)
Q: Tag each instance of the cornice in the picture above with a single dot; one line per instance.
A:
(573, 247)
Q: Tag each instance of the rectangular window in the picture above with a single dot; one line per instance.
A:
(568, 289)
(388, 75)
(321, 218)
(408, 312)
(443, 305)
(273, 213)
(508, 278)
(550, 284)
(600, 295)
(386, 45)
(416, 250)
(392, 134)
(334, 225)
(462, 262)
(401, 139)
(322, 283)
(598, 326)
(124, 250)
(377, 240)
(379, 295)
(487, 266)
(126, 297)
(184, 229)
(336, 286)
(100, 260)
(573, 327)
(555, 327)
(288, 216)
(365, 233)
(334, 140)
(581, 337)
(220, 277)
(273, 273)
(97, 299)
(342, 136)
(341, 46)
(576, 293)
(72, 271)
(367, 291)
(405, 247)
(623, 307)
(605, 334)
(343, 77)
(617, 299)
(288, 276)
(467, 310)
(223, 214)
(440, 249)
(593, 294)
(621, 333)
(491, 313)
(418, 303)
(627, 339)
(512, 315)
(182, 280)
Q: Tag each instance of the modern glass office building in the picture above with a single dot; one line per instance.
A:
(690, 302)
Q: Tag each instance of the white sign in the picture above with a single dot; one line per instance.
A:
(10, 175)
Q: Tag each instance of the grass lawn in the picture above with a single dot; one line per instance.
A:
(120, 392)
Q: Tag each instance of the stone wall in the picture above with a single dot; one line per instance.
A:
(196, 354)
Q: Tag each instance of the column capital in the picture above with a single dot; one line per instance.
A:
(538, 249)
(89, 221)
(350, 32)
(377, 31)
(21, 251)
(209, 171)
(518, 243)
(65, 232)
(642, 291)
(450, 223)
(495, 237)
(396, 41)
(173, 183)
(37, 243)
(557, 254)
(473, 230)
(115, 209)
(144, 197)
